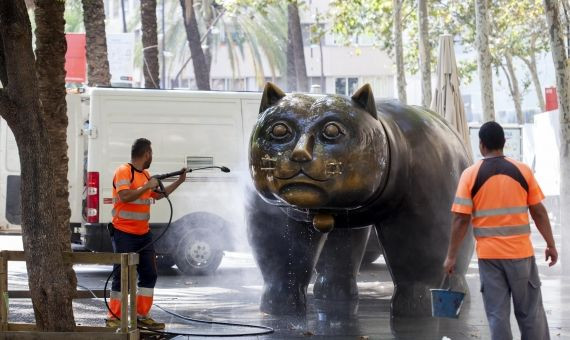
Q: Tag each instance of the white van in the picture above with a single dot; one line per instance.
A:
(10, 209)
(187, 129)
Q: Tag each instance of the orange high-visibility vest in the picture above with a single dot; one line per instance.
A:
(497, 192)
(131, 217)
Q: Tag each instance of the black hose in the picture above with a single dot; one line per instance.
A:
(266, 330)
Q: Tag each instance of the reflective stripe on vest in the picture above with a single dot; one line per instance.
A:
(500, 211)
(123, 182)
(501, 231)
(137, 201)
(463, 201)
(132, 215)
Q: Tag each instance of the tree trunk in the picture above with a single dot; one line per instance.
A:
(565, 6)
(296, 37)
(33, 105)
(209, 20)
(123, 16)
(399, 51)
(96, 43)
(163, 83)
(150, 44)
(425, 52)
(291, 70)
(514, 87)
(201, 69)
(323, 85)
(531, 64)
(484, 60)
(562, 81)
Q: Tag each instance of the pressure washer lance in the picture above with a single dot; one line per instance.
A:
(179, 172)
(264, 330)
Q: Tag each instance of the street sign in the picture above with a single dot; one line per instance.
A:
(120, 51)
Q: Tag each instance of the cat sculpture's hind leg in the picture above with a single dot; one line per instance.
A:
(286, 252)
(415, 245)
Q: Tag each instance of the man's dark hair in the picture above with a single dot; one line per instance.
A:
(492, 136)
(140, 146)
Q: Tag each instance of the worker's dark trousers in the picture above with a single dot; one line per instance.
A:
(501, 279)
(130, 243)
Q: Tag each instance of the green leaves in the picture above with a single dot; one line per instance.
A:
(518, 26)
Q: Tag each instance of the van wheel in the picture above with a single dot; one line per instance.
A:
(197, 253)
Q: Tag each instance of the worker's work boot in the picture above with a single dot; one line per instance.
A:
(112, 323)
(148, 322)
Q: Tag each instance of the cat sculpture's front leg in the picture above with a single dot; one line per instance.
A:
(335, 288)
(286, 252)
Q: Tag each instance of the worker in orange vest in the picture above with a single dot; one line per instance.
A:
(132, 196)
(495, 195)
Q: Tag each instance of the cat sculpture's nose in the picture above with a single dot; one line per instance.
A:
(303, 151)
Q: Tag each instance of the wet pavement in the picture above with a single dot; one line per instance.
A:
(233, 293)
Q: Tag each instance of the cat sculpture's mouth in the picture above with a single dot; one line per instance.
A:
(301, 172)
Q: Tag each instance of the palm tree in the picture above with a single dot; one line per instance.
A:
(261, 33)
(265, 34)
(150, 44)
(296, 68)
(201, 66)
(96, 43)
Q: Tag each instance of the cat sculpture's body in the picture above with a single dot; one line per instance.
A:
(325, 170)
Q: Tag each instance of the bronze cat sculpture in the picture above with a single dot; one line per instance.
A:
(326, 169)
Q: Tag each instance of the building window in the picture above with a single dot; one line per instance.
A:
(310, 38)
(228, 84)
(346, 86)
(468, 108)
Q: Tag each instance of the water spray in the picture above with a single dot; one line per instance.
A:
(263, 329)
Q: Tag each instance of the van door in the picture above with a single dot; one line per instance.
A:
(11, 216)
(76, 152)
(10, 206)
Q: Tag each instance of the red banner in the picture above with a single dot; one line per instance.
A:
(75, 59)
(551, 98)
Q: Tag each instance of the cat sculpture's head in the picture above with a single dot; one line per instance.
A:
(322, 153)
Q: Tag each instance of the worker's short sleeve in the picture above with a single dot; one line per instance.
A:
(122, 179)
(463, 203)
(535, 194)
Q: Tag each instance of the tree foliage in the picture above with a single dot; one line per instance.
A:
(373, 18)
(518, 29)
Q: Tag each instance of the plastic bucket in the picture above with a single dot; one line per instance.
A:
(446, 303)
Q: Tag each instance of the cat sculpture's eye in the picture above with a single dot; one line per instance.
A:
(332, 131)
(280, 131)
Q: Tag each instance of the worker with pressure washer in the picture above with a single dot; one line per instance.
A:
(133, 193)
(495, 195)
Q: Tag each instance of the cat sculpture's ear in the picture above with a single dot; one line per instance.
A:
(365, 99)
(271, 95)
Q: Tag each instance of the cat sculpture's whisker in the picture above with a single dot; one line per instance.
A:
(333, 168)
(268, 163)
